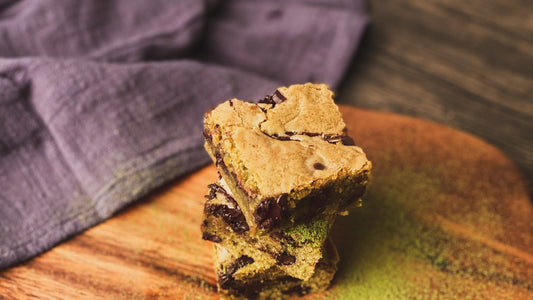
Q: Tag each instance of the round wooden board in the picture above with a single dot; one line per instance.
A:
(447, 216)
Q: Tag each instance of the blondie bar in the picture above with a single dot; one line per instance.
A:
(286, 159)
(294, 250)
(237, 281)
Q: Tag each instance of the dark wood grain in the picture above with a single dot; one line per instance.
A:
(436, 224)
(466, 64)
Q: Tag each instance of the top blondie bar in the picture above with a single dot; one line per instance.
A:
(287, 158)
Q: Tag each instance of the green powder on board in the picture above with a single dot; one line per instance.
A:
(392, 247)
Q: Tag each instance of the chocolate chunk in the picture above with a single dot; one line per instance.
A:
(283, 201)
(267, 100)
(207, 136)
(212, 191)
(235, 219)
(211, 237)
(226, 279)
(330, 138)
(269, 212)
(273, 99)
(285, 259)
(281, 138)
(281, 258)
(284, 239)
(219, 162)
(344, 139)
(215, 188)
(333, 139)
(310, 134)
(280, 96)
(319, 166)
(232, 216)
(221, 166)
(241, 262)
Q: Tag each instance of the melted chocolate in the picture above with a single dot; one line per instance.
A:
(281, 138)
(318, 166)
(283, 238)
(269, 212)
(215, 188)
(222, 166)
(211, 237)
(310, 134)
(280, 96)
(330, 138)
(232, 216)
(285, 259)
(226, 279)
(207, 136)
(273, 99)
(219, 162)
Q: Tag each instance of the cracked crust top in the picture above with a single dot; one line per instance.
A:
(308, 109)
(288, 141)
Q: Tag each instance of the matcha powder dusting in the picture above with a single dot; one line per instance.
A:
(312, 233)
(436, 223)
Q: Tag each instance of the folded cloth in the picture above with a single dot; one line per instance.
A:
(102, 101)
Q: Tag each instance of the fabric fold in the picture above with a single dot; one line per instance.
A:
(101, 102)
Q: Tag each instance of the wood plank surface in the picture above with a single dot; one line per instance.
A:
(446, 216)
(466, 64)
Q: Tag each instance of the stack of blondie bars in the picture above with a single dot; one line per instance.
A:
(287, 169)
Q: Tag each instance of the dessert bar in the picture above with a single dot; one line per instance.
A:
(294, 250)
(236, 281)
(286, 159)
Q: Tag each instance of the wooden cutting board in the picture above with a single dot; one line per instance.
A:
(447, 216)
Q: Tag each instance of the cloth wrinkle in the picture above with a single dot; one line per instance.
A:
(102, 102)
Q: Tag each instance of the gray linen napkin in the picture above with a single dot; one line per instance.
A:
(102, 101)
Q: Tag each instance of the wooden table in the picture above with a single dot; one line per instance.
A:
(466, 64)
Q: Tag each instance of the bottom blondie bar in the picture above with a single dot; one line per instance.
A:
(272, 283)
(294, 250)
